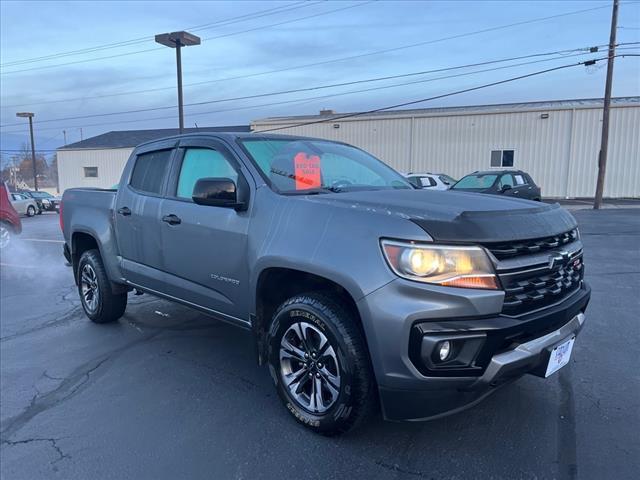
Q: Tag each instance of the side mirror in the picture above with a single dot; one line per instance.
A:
(505, 188)
(217, 192)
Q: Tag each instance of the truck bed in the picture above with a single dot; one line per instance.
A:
(91, 211)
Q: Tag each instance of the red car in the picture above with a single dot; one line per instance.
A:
(9, 219)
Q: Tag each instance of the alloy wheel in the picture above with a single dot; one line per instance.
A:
(89, 287)
(309, 367)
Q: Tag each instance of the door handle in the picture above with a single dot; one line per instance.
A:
(172, 219)
(125, 211)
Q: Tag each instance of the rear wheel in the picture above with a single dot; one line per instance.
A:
(320, 365)
(100, 304)
(31, 211)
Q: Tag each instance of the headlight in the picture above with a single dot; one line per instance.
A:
(453, 266)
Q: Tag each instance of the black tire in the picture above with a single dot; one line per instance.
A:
(108, 307)
(357, 397)
(39, 211)
(31, 211)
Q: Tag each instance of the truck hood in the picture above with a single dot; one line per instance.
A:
(460, 216)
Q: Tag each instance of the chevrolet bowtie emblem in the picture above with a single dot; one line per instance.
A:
(558, 259)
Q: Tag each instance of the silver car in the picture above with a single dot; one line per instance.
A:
(434, 181)
(24, 205)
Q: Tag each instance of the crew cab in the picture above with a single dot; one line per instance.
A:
(360, 291)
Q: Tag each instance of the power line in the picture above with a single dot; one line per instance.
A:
(211, 38)
(352, 57)
(135, 41)
(584, 51)
(422, 100)
(491, 29)
(149, 90)
(308, 99)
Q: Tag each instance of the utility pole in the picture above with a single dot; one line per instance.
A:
(64, 134)
(30, 115)
(604, 142)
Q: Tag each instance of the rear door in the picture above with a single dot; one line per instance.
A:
(205, 247)
(19, 202)
(137, 215)
(524, 189)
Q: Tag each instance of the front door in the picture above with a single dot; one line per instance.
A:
(205, 246)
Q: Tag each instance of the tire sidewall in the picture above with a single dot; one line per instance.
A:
(341, 409)
(90, 258)
(31, 211)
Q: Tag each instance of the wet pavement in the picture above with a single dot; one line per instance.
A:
(168, 392)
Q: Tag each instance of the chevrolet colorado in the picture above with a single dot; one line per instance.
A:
(360, 291)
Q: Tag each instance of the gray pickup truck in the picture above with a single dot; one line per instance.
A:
(361, 292)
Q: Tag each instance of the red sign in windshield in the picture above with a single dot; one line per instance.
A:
(307, 171)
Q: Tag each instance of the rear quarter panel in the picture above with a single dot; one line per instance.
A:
(90, 211)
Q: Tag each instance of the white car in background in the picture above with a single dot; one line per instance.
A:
(434, 181)
(24, 205)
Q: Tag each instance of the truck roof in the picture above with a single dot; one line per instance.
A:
(231, 136)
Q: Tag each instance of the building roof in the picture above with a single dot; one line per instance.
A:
(441, 111)
(132, 138)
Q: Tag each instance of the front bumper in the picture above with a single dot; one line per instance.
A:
(510, 347)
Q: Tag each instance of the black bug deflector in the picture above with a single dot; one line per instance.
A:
(500, 225)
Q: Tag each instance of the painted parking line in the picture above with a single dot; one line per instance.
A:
(41, 240)
(14, 265)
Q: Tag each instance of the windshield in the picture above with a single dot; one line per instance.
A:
(314, 166)
(476, 182)
(41, 195)
(446, 179)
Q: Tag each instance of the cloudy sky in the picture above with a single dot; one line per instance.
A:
(64, 60)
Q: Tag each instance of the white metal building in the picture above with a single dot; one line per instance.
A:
(557, 142)
(99, 161)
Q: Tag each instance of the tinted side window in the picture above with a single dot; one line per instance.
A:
(428, 182)
(415, 181)
(150, 170)
(506, 179)
(202, 163)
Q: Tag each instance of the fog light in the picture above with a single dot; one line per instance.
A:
(444, 349)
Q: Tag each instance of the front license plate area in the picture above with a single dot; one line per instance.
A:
(560, 356)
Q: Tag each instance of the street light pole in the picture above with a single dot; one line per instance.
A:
(178, 40)
(30, 115)
(179, 73)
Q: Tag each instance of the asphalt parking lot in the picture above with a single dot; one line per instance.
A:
(170, 393)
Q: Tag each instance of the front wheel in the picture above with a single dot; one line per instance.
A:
(31, 211)
(5, 235)
(100, 304)
(320, 364)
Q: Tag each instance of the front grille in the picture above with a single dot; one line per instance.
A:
(524, 247)
(529, 290)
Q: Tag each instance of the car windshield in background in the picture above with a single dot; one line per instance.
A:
(476, 182)
(315, 166)
(41, 195)
(447, 179)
